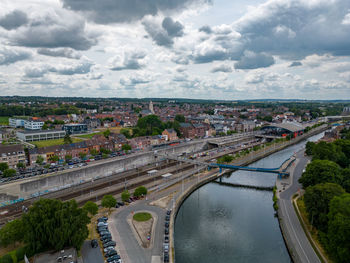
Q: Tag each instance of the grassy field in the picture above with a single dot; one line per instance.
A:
(41, 144)
(141, 217)
(88, 136)
(4, 120)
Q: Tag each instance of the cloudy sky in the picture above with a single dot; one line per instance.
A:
(216, 49)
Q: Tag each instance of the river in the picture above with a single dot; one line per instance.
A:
(221, 224)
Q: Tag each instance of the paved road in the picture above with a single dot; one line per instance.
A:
(91, 255)
(295, 231)
(135, 252)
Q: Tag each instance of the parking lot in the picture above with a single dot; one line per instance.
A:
(90, 254)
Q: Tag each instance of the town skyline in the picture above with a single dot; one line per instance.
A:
(189, 49)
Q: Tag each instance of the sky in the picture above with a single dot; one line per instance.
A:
(202, 49)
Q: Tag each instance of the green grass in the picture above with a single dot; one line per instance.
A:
(4, 120)
(41, 144)
(88, 136)
(141, 217)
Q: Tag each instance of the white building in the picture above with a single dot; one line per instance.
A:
(16, 123)
(35, 135)
(33, 125)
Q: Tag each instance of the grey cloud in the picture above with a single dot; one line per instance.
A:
(13, 20)
(133, 80)
(10, 56)
(295, 64)
(295, 29)
(205, 29)
(163, 35)
(59, 52)
(182, 60)
(35, 72)
(174, 29)
(81, 68)
(55, 32)
(120, 11)
(129, 60)
(221, 68)
(210, 55)
(251, 60)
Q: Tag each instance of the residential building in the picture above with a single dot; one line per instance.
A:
(16, 123)
(39, 135)
(170, 135)
(12, 155)
(75, 128)
(199, 130)
(187, 130)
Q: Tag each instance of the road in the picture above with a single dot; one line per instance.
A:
(296, 234)
(136, 253)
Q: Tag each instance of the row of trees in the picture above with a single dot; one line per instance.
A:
(152, 125)
(326, 181)
(49, 224)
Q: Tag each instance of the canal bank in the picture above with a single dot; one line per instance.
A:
(252, 157)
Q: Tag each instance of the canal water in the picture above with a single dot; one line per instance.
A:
(221, 224)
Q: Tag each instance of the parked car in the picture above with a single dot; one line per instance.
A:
(166, 239)
(108, 248)
(111, 253)
(109, 244)
(167, 218)
(166, 231)
(120, 203)
(166, 224)
(168, 212)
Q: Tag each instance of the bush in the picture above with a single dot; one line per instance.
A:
(20, 253)
(6, 259)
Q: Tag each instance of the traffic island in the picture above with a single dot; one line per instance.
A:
(142, 223)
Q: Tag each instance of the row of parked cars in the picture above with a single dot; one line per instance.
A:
(109, 250)
(166, 237)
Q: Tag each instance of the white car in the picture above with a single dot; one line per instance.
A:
(108, 248)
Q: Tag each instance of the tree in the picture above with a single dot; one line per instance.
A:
(67, 158)
(106, 133)
(125, 195)
(126, 147)
(11, 232)
(317, 199)
(82, 155)
(52, 224)
(91, 207)
(126, 133)
(67, 139)
(9, 173)
(45, 126)
(105, 151)
(108, 201)
(3, 166)
(309, 148)
(21, 165)
(338, 236)
(54, 158)
(139, 191)
(39, 159)
(321, 171)
(93, 152)
(180, 118)
(149, 124)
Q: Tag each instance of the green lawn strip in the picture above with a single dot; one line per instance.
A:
(46, 143)
(304, 221)
(89, 136)
(141, 217)
(4, 120)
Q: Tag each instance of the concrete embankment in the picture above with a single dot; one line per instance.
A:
(52, 182)
(247, 159)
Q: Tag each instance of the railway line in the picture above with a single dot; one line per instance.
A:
(113, 184)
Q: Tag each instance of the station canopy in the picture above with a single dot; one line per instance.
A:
(288, 126)
(167, 175)
(152, 171)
